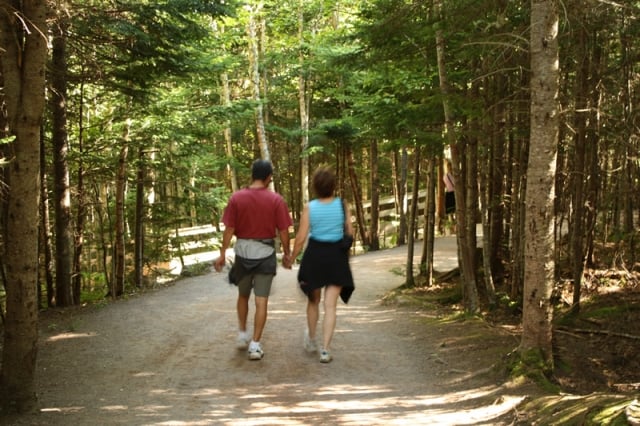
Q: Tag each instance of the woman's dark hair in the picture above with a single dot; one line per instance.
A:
(324, 182)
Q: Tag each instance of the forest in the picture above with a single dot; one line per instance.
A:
(127, 123)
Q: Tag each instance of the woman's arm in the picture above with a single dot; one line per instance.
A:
(301, 236)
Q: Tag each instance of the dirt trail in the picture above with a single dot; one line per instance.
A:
(168, 358)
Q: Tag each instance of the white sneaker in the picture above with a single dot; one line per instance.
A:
(242, 341)
(325, 356)
(255, 351)
(309, 343)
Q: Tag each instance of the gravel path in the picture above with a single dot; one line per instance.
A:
(168, 358)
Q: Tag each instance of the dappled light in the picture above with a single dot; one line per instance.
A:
(65, 336)
(168, 359)
(340, 404)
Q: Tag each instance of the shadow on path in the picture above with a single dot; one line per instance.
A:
(167, 358)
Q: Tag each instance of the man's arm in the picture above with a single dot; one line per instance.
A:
(227, 235)
(286, 247)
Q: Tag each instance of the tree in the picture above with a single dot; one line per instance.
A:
(23, 50)
(540, 192)
(65, 294)
(466, 247)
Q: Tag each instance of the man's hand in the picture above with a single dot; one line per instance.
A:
(218, 264)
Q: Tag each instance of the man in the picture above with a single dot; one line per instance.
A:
(253, 214)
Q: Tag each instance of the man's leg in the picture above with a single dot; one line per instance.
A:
(260, 318)
(242, 307)
(261, 291)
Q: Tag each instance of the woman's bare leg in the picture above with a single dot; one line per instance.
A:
(331, 294)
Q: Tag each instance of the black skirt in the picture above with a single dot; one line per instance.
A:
(323, 264)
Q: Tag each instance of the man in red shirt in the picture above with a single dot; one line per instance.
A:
(254, 214)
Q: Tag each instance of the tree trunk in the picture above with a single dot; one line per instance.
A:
(304, 101)
(62, 193)
(357, 197)
(226, 94)
(467, 253)
(426, 260)
(630, 179)
(519, 148)
(254, 63)
(540, 193)
(119, 255)
(593, 143)
(579, 176)
(47, 251)
(374, 241)
(80, 203)
(413, 218)
(139, 225)
(24, 56)
(401, 197)
(226, 101)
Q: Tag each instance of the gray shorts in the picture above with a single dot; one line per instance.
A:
(260, 283)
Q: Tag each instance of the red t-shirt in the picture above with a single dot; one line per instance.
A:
(256, 213)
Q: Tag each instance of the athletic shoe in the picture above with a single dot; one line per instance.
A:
(242, 341)
(255, 351)
(309, 343)
(325, 356)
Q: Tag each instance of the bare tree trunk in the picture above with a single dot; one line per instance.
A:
(540, 194)
(226, 101)
(304, 101)
(374, 241)
(62, 193)
(81, 205)
(254, 63)
(578, 178)
(630, 173)
(426, 260)
(45, 226)
(467, 253)
(519, 148)
(412, 219)
(139, 224)
(593, 143)
(119, 255)
(226, 94)
(357, 197)
(401, 191)
(24, 45)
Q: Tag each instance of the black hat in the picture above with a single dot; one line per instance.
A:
(261, 170)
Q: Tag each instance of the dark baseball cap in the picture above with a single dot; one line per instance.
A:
(261, 170)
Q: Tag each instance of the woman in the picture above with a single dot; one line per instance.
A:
(325, 262)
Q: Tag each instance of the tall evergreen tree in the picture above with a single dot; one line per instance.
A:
(23, 55)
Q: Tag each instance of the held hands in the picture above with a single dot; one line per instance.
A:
(287, 261)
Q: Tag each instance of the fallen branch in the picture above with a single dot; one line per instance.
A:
(569, 333)
(606, 332)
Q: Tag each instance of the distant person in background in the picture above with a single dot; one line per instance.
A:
(449, 193)
(325, 262)
(253, 214)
